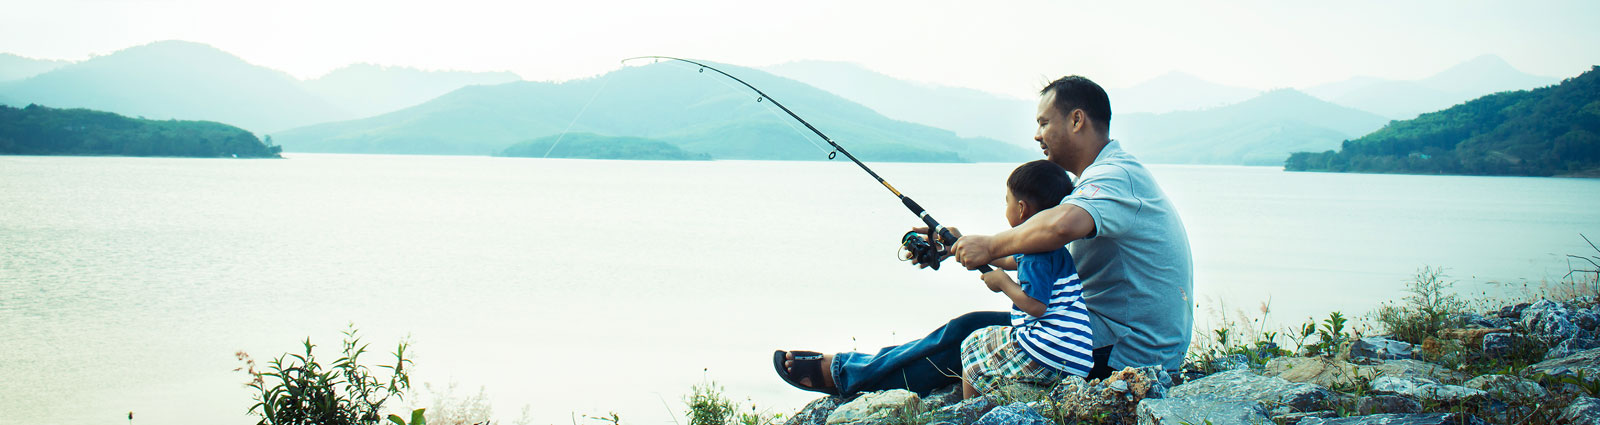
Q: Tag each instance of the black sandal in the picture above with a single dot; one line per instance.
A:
(807, 365)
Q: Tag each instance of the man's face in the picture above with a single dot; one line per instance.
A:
(1053, 129)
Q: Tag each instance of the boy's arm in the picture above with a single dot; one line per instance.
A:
(1005, 263)
(999, 281)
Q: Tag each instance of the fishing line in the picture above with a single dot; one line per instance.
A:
(938, 234)
(769, 108)
(604, 81)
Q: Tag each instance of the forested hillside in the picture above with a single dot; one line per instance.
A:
(1548, 131)
(38, 130)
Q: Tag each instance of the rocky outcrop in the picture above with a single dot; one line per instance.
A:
(886, 407)
(1400, 419)
(1428, 391)
(1200, 410)
(1586, 363)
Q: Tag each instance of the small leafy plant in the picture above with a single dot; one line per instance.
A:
(298, 389)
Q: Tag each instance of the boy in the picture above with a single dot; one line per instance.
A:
(1049, 336)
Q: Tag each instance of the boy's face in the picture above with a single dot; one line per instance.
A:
(1016, 212)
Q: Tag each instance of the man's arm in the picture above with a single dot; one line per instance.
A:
(1048, 230)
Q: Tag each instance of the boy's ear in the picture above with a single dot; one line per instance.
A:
(1027, 209)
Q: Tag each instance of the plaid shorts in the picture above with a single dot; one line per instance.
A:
(990, 359)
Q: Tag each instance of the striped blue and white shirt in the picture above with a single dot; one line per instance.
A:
(1061, 338)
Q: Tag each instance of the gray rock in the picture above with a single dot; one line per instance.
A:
(1200, 410)
(815, 413)
(1549, 320)
(942, 397)
(1508, 388)
(876, 408)
(1497, 344)
(1159, 379)
(1428, 390)
(1493, 322)
(1584, 410)
(1379, 348)
(1587, 362)
(1295, 418)
(1378, 404)
(1231, 362)
(1571, 346)
(1513, 312)
(1246, 385)
(1417, 368)
(1014, 414)
(964, 412)
(1400, 419)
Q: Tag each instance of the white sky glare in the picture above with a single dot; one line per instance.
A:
(1006, 47)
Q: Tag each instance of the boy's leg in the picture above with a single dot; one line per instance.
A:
(921, 366)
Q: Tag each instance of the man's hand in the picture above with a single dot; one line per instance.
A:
(973, 251)
(996, 280)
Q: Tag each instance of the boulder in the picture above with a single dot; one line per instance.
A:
(815, 413)
(1417, 368)
(1584, 410)
(1014, 414)
(1571, 346)
(1508, 388)
(1497, 344)
(1468, 337)
(1378, 404)
(1108, 400)
(1295, 418)
(1400, 419)
(942, 397)
(1379, 348)
(1513, 312)
(1428, 391)
(1549, 320)
(1200, 410)
(1586, 362)
(1248, 386)
(964, 412)
(1321, 371)
(1230, 362)
(881, 407)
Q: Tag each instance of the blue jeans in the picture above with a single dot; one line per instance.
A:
(921, 366)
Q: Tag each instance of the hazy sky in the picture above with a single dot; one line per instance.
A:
(1006, 47)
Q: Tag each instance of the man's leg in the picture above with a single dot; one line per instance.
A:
(1102, 366)
(920, 366)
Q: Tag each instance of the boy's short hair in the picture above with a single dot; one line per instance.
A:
(1042, 183)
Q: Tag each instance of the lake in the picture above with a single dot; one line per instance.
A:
(565, 288)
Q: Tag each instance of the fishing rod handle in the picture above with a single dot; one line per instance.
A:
(945, 236)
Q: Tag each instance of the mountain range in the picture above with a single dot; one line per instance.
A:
(1400, 99)
(697, 111)
(194, 81)
(13, 67)
(1260, 131)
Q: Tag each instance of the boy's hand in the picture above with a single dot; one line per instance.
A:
(996, 280)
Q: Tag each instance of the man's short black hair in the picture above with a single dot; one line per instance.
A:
(1041, 183)
(1077, 92)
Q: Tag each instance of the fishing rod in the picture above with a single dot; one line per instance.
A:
(923, 251)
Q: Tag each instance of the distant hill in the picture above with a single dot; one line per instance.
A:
(1406, 99)
(1541, 132)
(669, 102)
(1175, 91)
(13, 67)
(38, 130)
(1259, 131)
(177, 79)
(594, 146)
(366, 90)
(968, 112)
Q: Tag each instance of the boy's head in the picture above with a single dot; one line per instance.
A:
(1033, 187)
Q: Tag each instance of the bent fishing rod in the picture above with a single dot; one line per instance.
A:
(924, 252)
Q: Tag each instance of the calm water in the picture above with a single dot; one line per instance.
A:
(571, 287)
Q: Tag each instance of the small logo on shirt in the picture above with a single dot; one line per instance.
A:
(1089, 191)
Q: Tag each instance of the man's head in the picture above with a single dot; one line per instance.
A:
(1074, 121)
(1033, 187)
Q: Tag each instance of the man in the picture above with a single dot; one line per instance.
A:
(1131, 251)
(1130, 245)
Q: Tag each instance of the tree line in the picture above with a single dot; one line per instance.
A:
(1547, 131)
(40, 130)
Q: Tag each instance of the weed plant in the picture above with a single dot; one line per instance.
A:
(298, 389)
(1429, 307)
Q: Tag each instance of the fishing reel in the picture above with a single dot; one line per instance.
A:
(922, 250)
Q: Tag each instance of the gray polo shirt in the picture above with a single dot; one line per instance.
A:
(1138, 276)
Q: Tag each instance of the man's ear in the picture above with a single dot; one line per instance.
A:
(1079, 119)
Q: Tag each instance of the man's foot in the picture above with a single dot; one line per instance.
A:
(806, 370)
